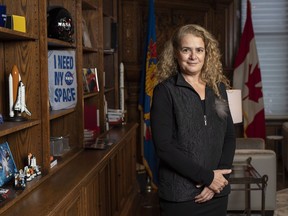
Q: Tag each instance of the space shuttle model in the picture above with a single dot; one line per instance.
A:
(17, 104)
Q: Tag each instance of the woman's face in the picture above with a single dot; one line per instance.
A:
(191, 54)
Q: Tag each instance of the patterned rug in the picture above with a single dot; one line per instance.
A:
(282, 203)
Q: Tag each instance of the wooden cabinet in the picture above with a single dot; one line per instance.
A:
(92, 197)
(29, 52)
(122, 169)
(71, 206)
(95, 182)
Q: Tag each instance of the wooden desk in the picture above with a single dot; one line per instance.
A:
(95, 182)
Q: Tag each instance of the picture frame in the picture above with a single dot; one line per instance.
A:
(91, 76)
(7, 164)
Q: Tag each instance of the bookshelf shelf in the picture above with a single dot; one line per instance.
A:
(89, 5)
(60, 113)
(59, 43)
(13, 127)
(109, 90)
(91, 95)
(11, 35)
(90, 50)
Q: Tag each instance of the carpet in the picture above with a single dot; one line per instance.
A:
(281, 203)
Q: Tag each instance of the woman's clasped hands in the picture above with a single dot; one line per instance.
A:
(217, 185)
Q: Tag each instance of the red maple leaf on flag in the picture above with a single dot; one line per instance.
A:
(254, 78)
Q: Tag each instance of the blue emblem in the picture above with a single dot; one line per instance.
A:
(69, 78)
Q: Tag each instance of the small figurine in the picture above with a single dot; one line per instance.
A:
(29, 159)
(4, 194)
(32, 170)
(19, 180)
(1, 119)
(28, 174)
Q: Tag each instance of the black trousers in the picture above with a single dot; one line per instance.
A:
(214, 207)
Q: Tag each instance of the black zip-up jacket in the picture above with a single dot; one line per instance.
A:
(190, 140)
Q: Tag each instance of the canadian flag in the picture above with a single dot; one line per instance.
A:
(247, 76)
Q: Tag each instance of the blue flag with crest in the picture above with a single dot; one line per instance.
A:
(148, 82)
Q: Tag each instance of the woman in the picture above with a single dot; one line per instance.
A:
(192, 127)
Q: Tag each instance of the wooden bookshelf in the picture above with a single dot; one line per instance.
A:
(29, 52)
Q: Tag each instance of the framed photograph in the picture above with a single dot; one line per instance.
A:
(91, 75)
(85, 83)
(7, 164)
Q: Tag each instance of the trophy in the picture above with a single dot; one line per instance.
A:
(17, 104)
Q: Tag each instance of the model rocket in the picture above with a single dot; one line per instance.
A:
(16, 93)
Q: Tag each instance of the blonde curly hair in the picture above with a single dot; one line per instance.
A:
(212, 71)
